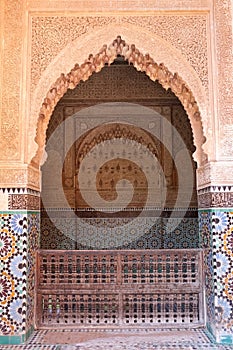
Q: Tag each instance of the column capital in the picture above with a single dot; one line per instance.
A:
(215, 174)
(20, 176)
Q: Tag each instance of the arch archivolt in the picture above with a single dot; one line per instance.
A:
(144, 62)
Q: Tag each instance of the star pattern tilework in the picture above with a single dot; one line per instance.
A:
(17, 270)
(33, 246)
(206, 241)
(160, 234)
(13, 249)
(216, 231)
(222, 228)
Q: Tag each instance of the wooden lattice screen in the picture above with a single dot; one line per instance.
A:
(106, 288)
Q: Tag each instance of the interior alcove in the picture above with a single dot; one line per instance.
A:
(120, 82)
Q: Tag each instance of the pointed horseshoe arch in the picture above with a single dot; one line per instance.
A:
(143, 63)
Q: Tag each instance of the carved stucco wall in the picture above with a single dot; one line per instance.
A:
(11, 74)
(55, 33)
(196, 44)
(224, 41)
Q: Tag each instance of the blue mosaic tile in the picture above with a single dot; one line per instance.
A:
(162, 233)
(17, 245)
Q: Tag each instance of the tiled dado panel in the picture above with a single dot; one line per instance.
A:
(216, 231)
(205, 229)
(59, 231)
(19, 237)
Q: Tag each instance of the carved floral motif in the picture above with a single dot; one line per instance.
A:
(192, 41)
(54, 33)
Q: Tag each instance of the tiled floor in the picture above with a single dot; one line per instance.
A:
(124, 339)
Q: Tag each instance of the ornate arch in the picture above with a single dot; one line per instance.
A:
(143, 63)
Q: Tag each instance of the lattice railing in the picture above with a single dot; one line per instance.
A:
(119, 287)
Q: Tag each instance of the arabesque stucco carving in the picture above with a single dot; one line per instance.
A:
(55, 32)
(142, 62)
(224, 40)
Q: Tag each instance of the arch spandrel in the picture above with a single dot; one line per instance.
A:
(50, 88)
